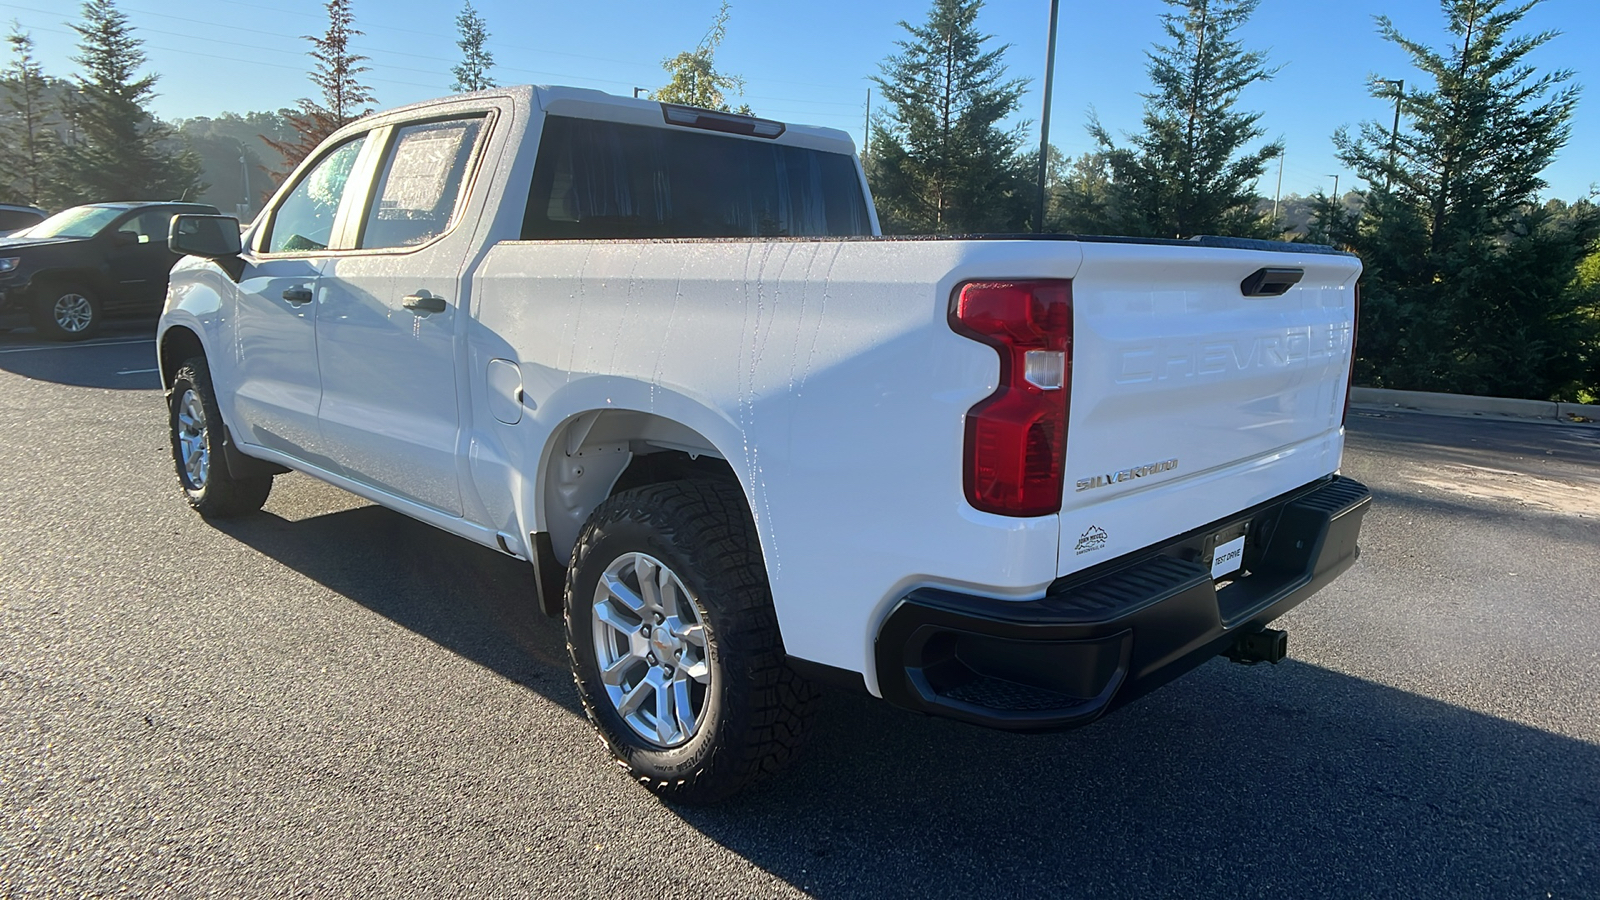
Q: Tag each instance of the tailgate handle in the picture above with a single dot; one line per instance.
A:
(1270, 282)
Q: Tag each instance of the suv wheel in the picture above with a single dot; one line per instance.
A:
(67, 313)
(675, 645)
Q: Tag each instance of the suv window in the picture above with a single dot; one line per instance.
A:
(303, 223)
(11, 219)
(150, 226)
(597, 180)
(421, 183)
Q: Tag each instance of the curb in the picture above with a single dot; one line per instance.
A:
(1464, 405)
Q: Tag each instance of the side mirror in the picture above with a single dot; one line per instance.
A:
(125, 238)
(213, 237)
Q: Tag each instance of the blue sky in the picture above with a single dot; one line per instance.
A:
(810, 61)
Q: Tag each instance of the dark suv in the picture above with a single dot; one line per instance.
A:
(68, 272)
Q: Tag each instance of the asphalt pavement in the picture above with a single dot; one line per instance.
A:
(329, 699)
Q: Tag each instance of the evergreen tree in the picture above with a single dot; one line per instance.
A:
(695, 80)
(941, 160)
(119, 152)
(1188, 171)
(1468, 283)
(25, 137)
(472, 74)
(1081, 199)
(336, 74)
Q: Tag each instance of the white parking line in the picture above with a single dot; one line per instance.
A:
(76, 346)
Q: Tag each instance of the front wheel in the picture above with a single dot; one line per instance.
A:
(674, 642)
(196, 427)
(67, 312)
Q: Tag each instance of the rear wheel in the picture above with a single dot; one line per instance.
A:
(196, 427)
(675, 645)
(68, 312)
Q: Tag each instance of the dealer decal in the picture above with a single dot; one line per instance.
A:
(1093, 539)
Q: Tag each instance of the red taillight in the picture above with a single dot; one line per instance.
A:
(1350, 379)
(1017, 437)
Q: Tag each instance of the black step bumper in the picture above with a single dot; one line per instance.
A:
(1101, 638)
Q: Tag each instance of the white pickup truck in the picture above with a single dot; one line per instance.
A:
(747, 443)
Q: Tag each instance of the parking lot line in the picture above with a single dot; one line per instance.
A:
(76, 346)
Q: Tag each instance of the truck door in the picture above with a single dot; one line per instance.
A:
(387, 326)
(278, 388)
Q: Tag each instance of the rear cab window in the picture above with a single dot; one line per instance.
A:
(597, 180)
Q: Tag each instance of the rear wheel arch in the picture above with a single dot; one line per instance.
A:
(595, 455)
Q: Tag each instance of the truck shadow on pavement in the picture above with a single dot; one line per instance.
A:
(1286, 781)
(1294, 781)
(472, 601)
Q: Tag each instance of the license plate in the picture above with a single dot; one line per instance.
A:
(1229, 557)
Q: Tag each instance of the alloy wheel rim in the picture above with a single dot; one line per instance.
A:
(650, 641)
(73, 312)
(193, 453)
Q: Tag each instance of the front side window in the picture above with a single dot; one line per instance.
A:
(597, 180)
(421, 183)
(304, 221)
(150, 226)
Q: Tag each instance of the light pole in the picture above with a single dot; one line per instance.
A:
(1044, 121)
(1399, 85)
(1335, 187)
(244, 180)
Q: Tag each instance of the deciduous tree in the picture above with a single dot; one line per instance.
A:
(336, 72)
(695, 80)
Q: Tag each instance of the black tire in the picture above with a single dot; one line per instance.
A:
(210, 488)
(755, 708)
(66, 312)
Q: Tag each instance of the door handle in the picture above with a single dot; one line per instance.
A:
(424, 303)
(298, 296)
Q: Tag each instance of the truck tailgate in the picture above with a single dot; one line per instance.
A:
(1191, 400)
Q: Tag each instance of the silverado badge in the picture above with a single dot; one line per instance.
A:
(1098, 481)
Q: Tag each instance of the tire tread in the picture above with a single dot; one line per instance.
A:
(710, 514)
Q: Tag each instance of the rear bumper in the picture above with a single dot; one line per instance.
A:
(1101, 638)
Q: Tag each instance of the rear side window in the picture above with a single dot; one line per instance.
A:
(17, 218)
(599, 180)
(421, 183)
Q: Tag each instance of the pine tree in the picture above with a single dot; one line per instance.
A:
(336, 73)
(941, 160)
(695, 80)
(1468, 277)
(1081, 198)
(26, 140)
(120, 151)
(1188, 171)
(472, 74)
